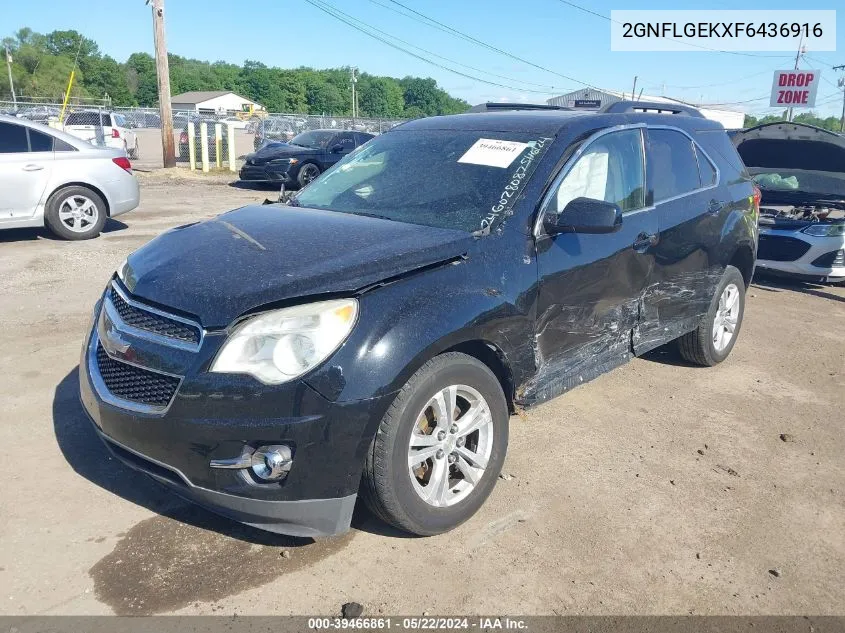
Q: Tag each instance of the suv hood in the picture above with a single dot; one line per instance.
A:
(242, 260)
(794, 164)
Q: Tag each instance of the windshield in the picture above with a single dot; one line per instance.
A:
(467, 180)
(314, 138)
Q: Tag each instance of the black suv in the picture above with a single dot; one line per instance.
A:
(373, 336)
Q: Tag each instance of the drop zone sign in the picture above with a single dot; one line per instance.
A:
(795, 88)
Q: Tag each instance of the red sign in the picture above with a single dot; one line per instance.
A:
(794, 88)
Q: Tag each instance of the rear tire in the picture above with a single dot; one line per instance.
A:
(714, 338)
(462, 447)
(75, 213)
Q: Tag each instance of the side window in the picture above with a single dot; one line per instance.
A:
(13, 139)
(706, 170)
(40, 142)
(344, 139)
(62, 146)
(672, 163)
(611, 169)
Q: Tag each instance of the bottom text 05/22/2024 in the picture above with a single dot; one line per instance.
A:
(419, 623)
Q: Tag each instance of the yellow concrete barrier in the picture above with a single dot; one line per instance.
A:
(192, 146)
(204, 145)
(231, 134)
(218, 144)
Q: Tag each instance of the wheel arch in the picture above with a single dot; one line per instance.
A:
(743, 260)
(495, 360)
(87, 185)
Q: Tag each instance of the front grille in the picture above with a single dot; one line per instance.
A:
(833, 259)
(152, 322)
(777, 248)
(128, 382)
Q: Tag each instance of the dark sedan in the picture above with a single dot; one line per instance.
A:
(303, 158)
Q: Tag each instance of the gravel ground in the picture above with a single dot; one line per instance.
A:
(659, 488)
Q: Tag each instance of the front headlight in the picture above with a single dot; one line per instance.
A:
(825, 230)
(281, 345)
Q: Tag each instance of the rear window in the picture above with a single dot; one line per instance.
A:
(673, 162)
(12, 138)
(40, 142)
(718, 144)
(88, 118)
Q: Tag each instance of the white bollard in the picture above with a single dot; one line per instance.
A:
(192, 147)
(231, 135)
(204, 145)
(218, 144)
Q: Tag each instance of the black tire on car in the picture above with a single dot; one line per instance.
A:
(709, 344)
(307, 173)
(396, 478)
(75, 213)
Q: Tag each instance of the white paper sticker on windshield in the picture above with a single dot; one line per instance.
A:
(492, 152)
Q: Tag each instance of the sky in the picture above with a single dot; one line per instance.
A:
(548, 33)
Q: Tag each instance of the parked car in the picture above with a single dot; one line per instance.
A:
(301, 160)
(211, 137)
(800, 170)
(273, 129)
(105, 129)
(51, 178)
(142, 119)
(373, 336)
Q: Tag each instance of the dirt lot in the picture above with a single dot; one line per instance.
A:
(658, 488)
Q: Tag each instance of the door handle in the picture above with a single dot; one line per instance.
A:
(644, 241)
(715, 206)
(32, 167)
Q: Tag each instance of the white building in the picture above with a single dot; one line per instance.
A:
(212, 102)
(589, 99)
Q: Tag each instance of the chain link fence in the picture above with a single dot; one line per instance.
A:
(137, 130)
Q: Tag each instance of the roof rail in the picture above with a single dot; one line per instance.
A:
(492, 106)
(648, 106)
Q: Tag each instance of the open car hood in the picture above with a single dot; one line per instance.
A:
(794, 164)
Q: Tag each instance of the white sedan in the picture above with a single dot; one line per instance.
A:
(48, 177)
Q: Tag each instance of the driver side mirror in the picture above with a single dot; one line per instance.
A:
(584, 215)
(337, 148)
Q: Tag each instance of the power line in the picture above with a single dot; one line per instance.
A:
(548, 89)
(335, 13)
(440, 26)
(720, 83)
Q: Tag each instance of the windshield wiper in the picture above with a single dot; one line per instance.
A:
(372, 215)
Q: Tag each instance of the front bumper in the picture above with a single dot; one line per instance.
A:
(268, 172)
(795, 254)
(213, 417)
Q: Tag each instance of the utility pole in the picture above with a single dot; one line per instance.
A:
(797, 58)
(163, 77)
(11, 81)
(841, 84)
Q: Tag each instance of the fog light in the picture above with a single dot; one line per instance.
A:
(268, 463)
(271, 463)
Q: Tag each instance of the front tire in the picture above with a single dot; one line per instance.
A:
(712, 341)
(439, 448)
(75, 213)
(307, 173)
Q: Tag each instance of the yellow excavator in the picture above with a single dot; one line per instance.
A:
(249, 113)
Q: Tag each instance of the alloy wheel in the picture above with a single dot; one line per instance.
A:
(78, 213)
(727, 317)
(450, 445)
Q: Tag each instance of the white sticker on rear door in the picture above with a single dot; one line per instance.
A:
(492, 152)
